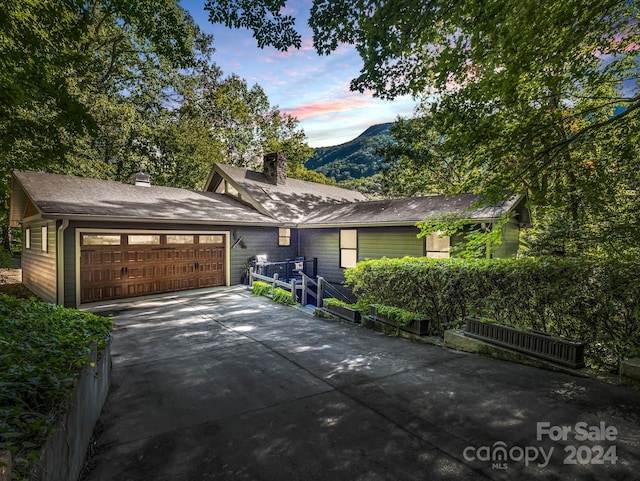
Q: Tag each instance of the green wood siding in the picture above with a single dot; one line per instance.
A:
(38, 267)
(377, 242)
(325, 245)
(510, 241)
(373, 243)
(259, 240)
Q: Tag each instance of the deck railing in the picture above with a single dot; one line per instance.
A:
(288, 269)
(302, 289)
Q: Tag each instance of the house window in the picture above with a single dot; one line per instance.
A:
(211, 239)
(144, 239)
(348, 247)
(27, 238)
(44, 243)
(284, 237)
(100, 240)
(438, 247)
(179, 239)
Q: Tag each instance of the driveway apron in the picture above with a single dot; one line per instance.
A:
(220, 385)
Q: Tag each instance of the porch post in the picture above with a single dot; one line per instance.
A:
(304, 290)
(293, 291)
(320, 292)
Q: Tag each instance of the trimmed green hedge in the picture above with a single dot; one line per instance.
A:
(597, 302)
(399, 315)
(282, 296)
(261, 288)
(43, 348)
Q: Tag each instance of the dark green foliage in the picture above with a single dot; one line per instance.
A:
(593, 301)
(355, 159)
(43, 350)
(266, 18)
(16, 290)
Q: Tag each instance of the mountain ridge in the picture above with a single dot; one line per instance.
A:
(354, 159)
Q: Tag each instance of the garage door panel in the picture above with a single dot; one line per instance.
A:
(152, 266)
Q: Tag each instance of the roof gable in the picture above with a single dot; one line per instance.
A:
(291, 201)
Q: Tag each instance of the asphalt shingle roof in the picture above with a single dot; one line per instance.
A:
(292, 201)
(68, 196)
(409, 210)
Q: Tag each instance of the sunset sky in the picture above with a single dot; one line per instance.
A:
(313, 89)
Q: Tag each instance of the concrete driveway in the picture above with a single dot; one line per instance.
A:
(219, 385)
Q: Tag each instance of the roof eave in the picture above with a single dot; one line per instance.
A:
(160, 220)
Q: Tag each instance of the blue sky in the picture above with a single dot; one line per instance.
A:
(312, 88)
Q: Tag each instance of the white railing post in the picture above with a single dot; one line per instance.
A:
(304, 290)
(275, 280)
(320, 292)
(251, 272)
(293, 291)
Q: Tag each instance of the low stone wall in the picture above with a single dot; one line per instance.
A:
(63, 455)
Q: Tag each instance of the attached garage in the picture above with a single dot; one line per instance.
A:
(109, 241)
(121, 265)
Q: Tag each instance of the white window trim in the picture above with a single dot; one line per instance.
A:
(284, 234)
(344, 249)
(44, 240)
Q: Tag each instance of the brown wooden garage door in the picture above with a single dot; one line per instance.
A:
(115, 266)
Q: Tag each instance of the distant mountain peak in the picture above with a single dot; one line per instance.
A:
(354, 159)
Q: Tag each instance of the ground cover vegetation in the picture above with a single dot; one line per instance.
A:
(594, 301)
(43, 349)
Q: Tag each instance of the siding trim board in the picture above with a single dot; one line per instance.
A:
(114, 219)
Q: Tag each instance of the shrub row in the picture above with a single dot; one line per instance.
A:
(43, 348)
(278, 294)
(594, 301)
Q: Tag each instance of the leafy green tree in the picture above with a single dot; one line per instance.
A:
(521, 96)
(69, 70)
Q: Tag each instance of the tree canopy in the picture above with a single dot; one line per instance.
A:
(108, 87)
(540, 98)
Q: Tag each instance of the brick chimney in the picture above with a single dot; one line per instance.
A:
(275, 168)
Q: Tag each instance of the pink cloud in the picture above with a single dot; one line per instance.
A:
(307, 44)
(312, 109)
